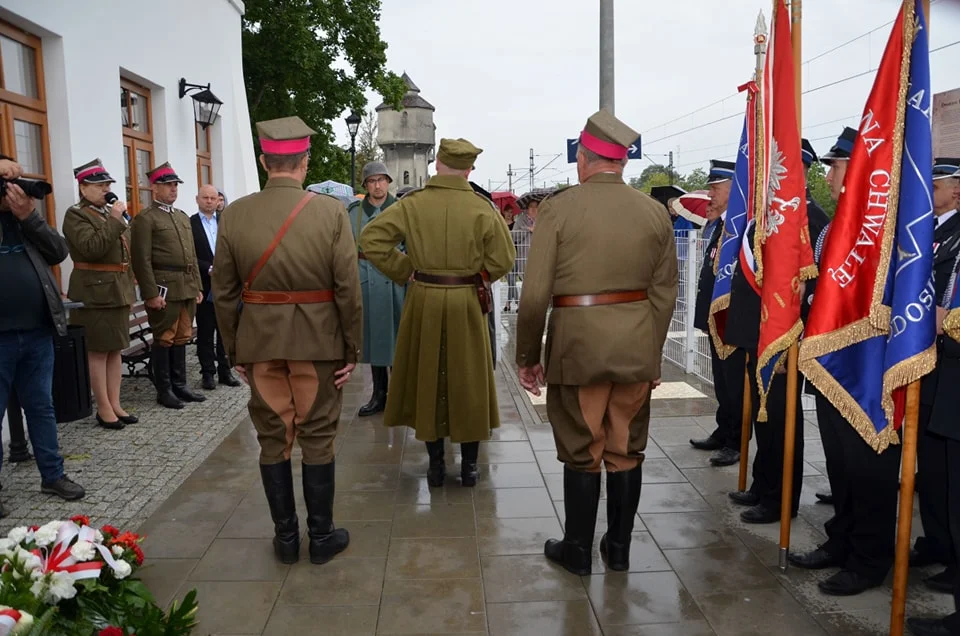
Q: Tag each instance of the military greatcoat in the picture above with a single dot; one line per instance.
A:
(443, 381)
(382, 298)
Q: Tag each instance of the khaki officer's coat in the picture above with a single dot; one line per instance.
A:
(317, 253)
(443, 381)
(599, 237)
(93, 236)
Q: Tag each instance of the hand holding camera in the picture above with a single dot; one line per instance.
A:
(19, 203)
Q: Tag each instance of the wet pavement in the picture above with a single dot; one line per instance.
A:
(456, 560)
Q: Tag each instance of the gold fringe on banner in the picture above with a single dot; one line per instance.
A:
(720, 304)
(776, 348)
(951, 324)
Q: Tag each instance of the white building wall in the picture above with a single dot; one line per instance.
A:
(89, 46)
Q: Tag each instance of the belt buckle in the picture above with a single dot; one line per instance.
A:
(190, 268)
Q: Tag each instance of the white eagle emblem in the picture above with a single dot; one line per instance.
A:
(778, 207)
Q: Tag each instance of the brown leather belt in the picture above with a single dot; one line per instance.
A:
(287, 297)
(102, 267)
(450, 281)
(362, 256)
(175, 268)
(592, 300)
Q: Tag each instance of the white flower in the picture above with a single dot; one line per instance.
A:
(37, 588)
(17, 535)
(24, 624)
(117, 551)
(47, 533)
(122, 570)
(98, 537)
(30, 560)
(7, 544)
(61, 587)
(83, 551)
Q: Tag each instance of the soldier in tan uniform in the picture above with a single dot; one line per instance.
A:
(455, 240)
(605, 339)
(165, 263)
(97, 235)
(297, 337)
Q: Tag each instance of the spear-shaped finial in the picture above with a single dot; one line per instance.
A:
(760, 43)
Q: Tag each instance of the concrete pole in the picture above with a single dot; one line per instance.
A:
(606, 55)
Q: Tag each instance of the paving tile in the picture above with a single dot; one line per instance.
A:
(170, 540)
(673, 435)
(680, 530)
(505, 452)
(188, 506)
(541, 439)
(714, 480)
(250, 520)
(506, 503)
(758, 613)
(508, 432)
(549, 464)
(661, 471)
(306, 619)
(433, 558)
(440, 520)
(342, 581)
(670, 498)
(372, 430)
(369, 453)
(363, 506)
(240, 560)
(557, 618)
(416, 490)
(516, 536)
(640, 598)
(645, 556)
(353, 477)
(686, 456)
(515, 475)
(706, 570)
(691, 628)
(764, 540)
(509, 579)
(367, 539)
(219, 611)
(431, 606)
(163, 577)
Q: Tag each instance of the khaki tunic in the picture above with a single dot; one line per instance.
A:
(163, 237)
(602, 236)
(443, 382)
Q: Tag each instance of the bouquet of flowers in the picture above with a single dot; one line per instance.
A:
(66, 577)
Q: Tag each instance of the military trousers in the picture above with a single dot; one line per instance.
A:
(600, 425)
(952, 621)
(728, 388)
(173, 325)
(932, 475)
(865, 487)
(295, 400)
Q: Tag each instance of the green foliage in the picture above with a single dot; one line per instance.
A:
(696, 180)
(315, 58)
(820, 189)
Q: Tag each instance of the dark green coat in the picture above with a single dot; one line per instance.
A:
(93, 236)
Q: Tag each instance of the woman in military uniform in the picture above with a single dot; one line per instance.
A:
(97, 236)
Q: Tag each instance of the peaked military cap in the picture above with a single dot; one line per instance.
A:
(93, 172)
(808, 154)
(946, 167)
(720, 171)
(458, 154)
(843, 147)
(163, 173)
(607, 136)
(284, 136)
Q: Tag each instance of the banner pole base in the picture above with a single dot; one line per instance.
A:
(783, 560)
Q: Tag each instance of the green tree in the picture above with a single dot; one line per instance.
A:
(653, 175)
(820, 189)
(696, 180)
(367, 148)
(315, 59)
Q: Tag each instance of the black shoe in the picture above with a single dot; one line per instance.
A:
(378, 401)
(623, 497)
(825, 498)
(927, 627)
(160, 362)
(65, 488)
(818, 559)
(710, 443)
(226, 377)
(438, 468)
(581, 496)
(942, 581)
(278, 486)
(725, 457)
(326, 541)
(208, 383)
(117, 425)
(847, 583)
(178, 375)
(761, 513)
(468, 463)
(744, 498)
(129, 419)
(922, 558)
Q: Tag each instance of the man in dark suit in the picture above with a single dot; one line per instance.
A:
(204, 225)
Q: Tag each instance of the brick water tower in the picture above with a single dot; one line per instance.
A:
(407, 137)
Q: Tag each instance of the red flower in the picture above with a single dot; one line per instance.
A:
(109, 531)
(80, 520)
(139, 553)
(34, 528)
(110, 631)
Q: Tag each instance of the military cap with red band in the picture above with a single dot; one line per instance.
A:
(284, 136)
(93, 172)
(164, 173)
(607, 136)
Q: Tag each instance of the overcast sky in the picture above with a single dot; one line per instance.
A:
(511, 75)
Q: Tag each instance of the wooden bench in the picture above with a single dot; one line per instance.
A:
(141, 339)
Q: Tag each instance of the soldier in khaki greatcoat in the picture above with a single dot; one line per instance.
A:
(605, 339)
(165, 263)
(297, 338)
(443, 384)
(97, 235)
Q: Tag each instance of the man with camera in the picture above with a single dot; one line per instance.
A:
(33, 312)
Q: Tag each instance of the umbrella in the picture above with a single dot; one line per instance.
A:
(340, 190)
(537, 194)
(693, 206)
(664, 193)
(503, 200)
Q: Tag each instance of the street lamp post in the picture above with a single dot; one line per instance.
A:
(353, 125)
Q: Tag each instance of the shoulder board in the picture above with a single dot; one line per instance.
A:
(76, 207)
(486, 200)
(559, 193)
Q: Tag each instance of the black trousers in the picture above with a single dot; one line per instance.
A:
(768, 463)
(728, 389)
(952, 621)
(207, 332)
(932, 474)
(865, 489)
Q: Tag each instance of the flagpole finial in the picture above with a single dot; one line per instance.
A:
(760, 31)
(760, 43)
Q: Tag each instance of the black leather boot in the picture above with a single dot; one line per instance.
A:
(468, 463)
(378, 401)
(178, 375)
(623, 497)
(581, 496)
(326, 541)
(278, 485)
(160, 363)
(438, 468)
(226, 377)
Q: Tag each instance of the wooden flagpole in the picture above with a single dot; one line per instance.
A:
(908, 468)
(790, 417)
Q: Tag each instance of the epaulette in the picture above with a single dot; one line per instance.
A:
(554, 195)
(487, 199)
